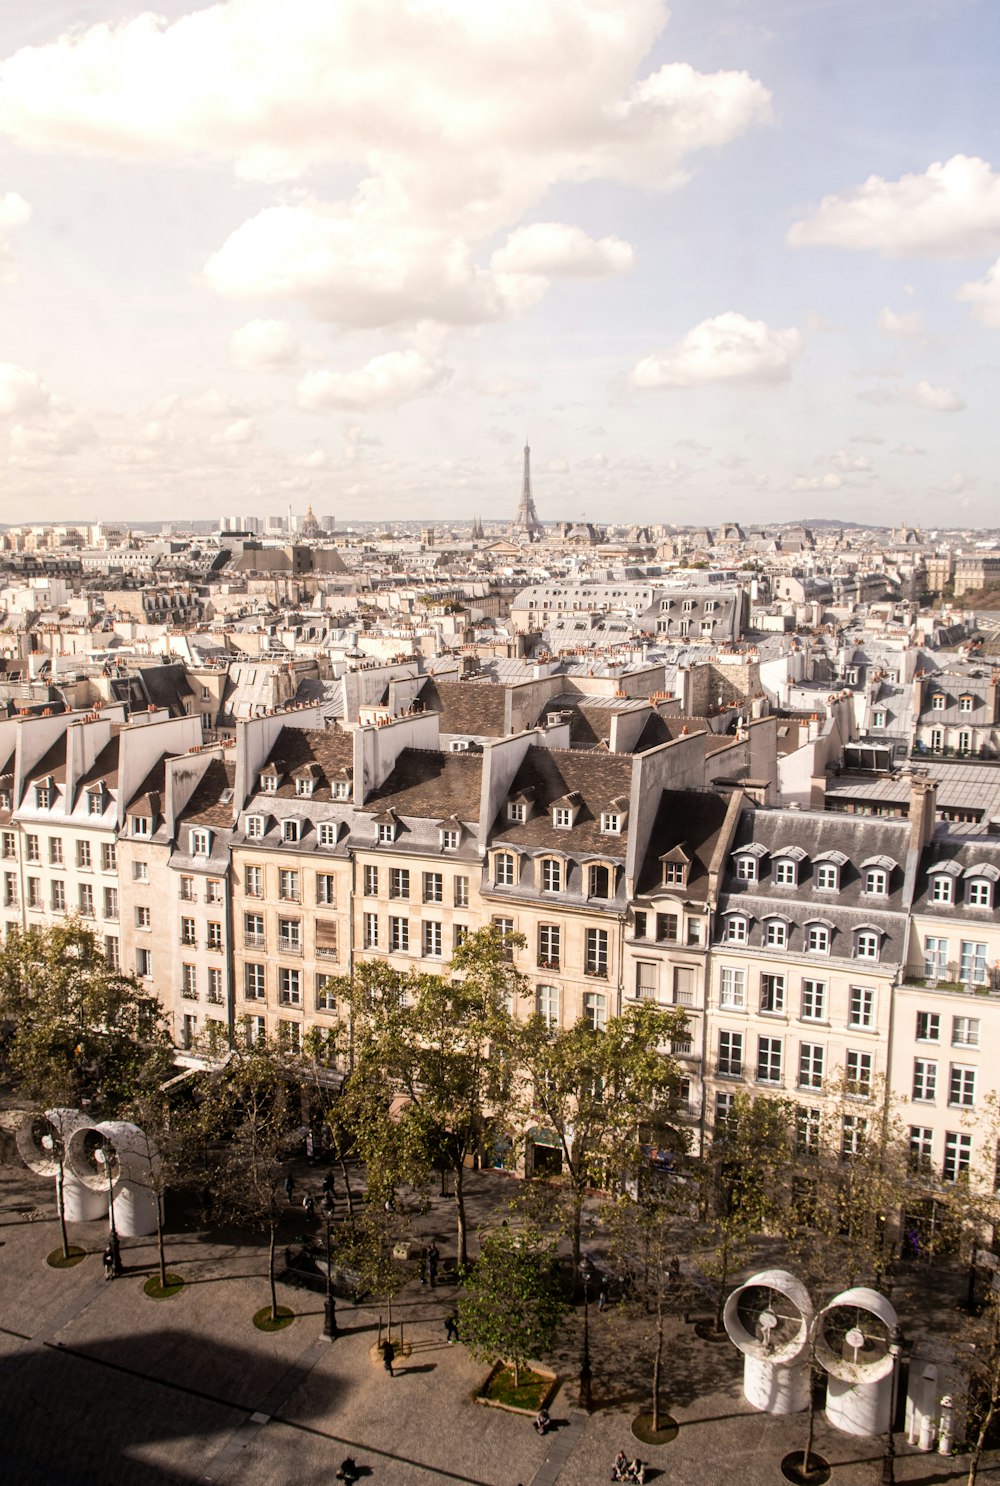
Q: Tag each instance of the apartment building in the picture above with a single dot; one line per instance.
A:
(958, 712)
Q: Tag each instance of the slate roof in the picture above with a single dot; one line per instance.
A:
(105, 765)
(330, 748)
(599, 779)
(428, 782)
(956, 852)
(464, 708)
(51, 763)
(206, 806)
(692, 819)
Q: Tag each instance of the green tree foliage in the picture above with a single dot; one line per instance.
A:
(604, 1095)
(170, 1139)
(511, 1308)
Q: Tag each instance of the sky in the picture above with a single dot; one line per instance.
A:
(726, 260)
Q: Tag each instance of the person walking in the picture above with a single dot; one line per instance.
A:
(327, 1187)
(289, 1186)
(109, 1263)
(451, 1329)
(602, 1293)
(309, 1206)
(433, 1259)
(388, 1356)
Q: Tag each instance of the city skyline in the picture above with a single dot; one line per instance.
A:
(721, 266)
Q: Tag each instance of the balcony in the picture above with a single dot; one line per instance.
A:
(255, 941)
(952, 981)
(327, 952)
(290, 946)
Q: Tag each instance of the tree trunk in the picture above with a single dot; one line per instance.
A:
(462, 1245)
(984, 1428)
(657, 1359)
(61, 1208)
(159, 1241)
(720, 1304)
(577, 1224)
(517, 1373)
(270, 1272)
(347, 1190)
(812, 1422)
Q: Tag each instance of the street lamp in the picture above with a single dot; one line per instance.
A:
(329, 1305)
(586, 1401)
(105, 1154)
(889, 1458)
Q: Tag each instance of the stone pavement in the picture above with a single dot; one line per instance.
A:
(101, 1386)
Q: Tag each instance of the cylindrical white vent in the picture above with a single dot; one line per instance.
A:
(42, 1143)
(853, 1336)
(768, 1318)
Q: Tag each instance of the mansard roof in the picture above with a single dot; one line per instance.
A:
(598, 779)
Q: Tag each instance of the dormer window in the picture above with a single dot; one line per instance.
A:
(878, 719)
(326, 833)
(304, 786)
(449, 839)
(876, 882)
(828, 877)
(199, 843)
(786, 872)
(269, 782)
(552, 875)
(674, 874)
(517, 811)
(941, 888)
(737, 928)
(504, 869)
(866, 944)
(965, 703)
(43, 796)
(938, 701)
(291, 830)
(253, 827)
(746, 868)
(611, 823)
(599, 882)
(818, 938)
(341, 789)
(386, 833)
(562, 818)
(142, 825)
(95, 802)
(776, 933)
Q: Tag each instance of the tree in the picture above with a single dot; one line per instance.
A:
(511, 1308)
(604, 1094)
(252, 1114)
(169, 1138)
(439, 1049)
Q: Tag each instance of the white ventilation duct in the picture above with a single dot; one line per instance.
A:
(119, 1158)
(43, 1144)
(853, 1338)
(769, 1319)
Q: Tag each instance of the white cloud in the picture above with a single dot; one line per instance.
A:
(817, 482)
(65, 435)
(240, 431)
(984, 296)
(728, 348)
(22, 392)
(316, 459)
(908, 325)
(395, 377)
(264, 343)
(951, 211)
(556, 250)
(853, 464)
(908, 449)
(866, 438)
(934, 399)
(14, 212)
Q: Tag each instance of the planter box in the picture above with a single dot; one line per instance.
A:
(552, 1383)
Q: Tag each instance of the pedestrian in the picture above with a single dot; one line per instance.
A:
(289, 1186)
(109, 1263)
(327, 1186)
(388, 1356)
(451, 1329)
(602, 1293)
(433, 1259)
(309, 1206)
(423, 1265)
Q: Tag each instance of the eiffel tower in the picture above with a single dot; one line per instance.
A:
(526, 522)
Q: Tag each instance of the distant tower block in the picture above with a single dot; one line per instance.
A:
(526, 523)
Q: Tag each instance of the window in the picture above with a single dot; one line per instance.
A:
(290, 936)
(253, 882)
(370, 930)
(551, 875)
(460, 933)
(8, 847)
(979, 893)
(862, 1008)
(95, 802)
(733, 988)
(254, 983)
(189, 982)
(827, 877)
(810, 1065)
(928, 1026)
(399, 935)
(31, 851)
(253, 930)
(288, 885)
(289, 986)
(746, 869)
(938, 702)
(957, 1155)
(769, 1060)
(304, 787)
(640, 927)
(200, 843)
(972, 969)
(326, 889)
(786, 872)
(772, 993)
(674, 874)
(866, 944)
(144, 964)
(142, 825)
(595, 1010)
(256, 1029)
(432, 938)
(737, 929)
(547, 1004)
(10, 890)
(921, 1147)
(386, 833)
(941, 888)
(140, 871)
(213, 935)
(188, 935)
(878, 719)
(935, 958)
(143, 917)
(56, 851)
(645, 980)
(965, 704)
(818, 939)
(326, 833)
(596, 962)
(325, 997)
(684, 985)
(924, 1080)
(807, 1131)
(548, 946)
(112, 951)
(449, 840)
(962, 1086)
(253, 827)
(83, 855)
(723, 1110)
(86, 900)
(43, 797)
(34, 886)
(109, 857)
(611, 824)
(731, 1054)
(876, 882)
(187, 890)
(937, 739)
(291, 830)
(433, 887)
(667, 928)
(269, 783)
(965, 1031)
(813, 1001)
(776, 933)
(505, 927)
(599, 882)
(854, 1129)
(369, 882)
(562, 818)
(858, 1071)
(399, 882)
(516, 811)
(213, 890)
(461, 893)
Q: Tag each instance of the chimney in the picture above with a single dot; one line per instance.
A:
(923, 811)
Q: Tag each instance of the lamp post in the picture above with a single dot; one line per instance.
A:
(329, 1305)
(106, 1156)
(586, 1401)
(889, 1458)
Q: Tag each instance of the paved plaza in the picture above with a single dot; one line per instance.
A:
(102, 1386)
